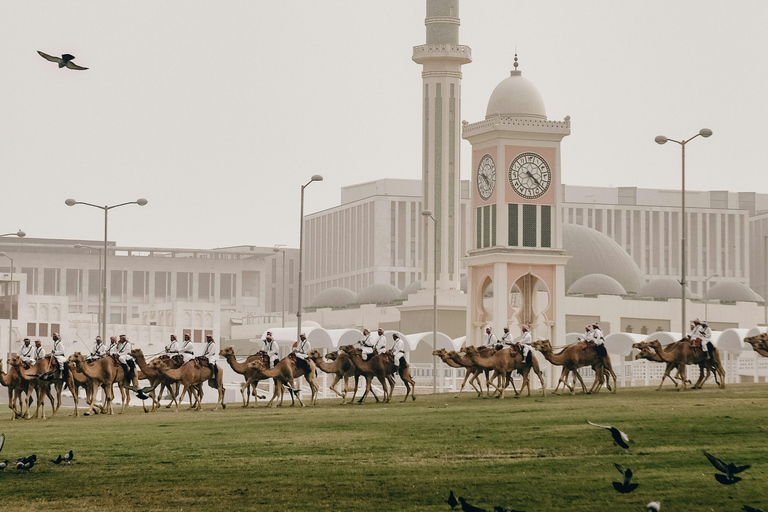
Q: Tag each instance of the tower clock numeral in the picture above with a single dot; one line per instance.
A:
(530, 175)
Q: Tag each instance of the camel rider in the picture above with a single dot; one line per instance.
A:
(381, 342)
(27, 352)
(701, 331)
(99, 350)
(172, 349)
(367, 344)
(112, 349)
(588, 337)
(506, 340)
(58, 354)
(525, 342)
(599, 339)
(398, 349)
(210, 354)
(271, 348)
(490, 338)
(123, 352)
(39, 350)
(301, 351)
(187, 349)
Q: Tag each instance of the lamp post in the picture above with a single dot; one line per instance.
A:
(661, 139)
(706, 299)
(277, 248)
(428, 213)
(19, 234)
(10, 293)
(72, 202)
(765, 276)
(101, 304)
(316, 177)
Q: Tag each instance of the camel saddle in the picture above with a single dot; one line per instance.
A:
(292, 357)
(115, 360)
(585, 344)
(696, 342)
(202, 362)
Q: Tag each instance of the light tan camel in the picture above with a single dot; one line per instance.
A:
(156, 378)
(340, 368)
(17, 388)
(228, 353)
(104, 372)
(651, 355)
(344, 359)
(470, 372)
(283, 375)
(759, 343)
(503, 362)
(75, 382)
(681, 353)
(40, 387)
(192, 375)
(573, 357)
(381, 366)
(474, 380)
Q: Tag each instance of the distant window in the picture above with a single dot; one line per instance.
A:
(51, 281)
(546, 226)
(42, 329)
(31, 329)
(529, 225)
(183, 285)
(205, 287)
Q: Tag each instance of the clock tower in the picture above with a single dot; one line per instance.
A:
(516, 266)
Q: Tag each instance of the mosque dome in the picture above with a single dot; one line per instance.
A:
(593, 252)
(411, 288)
(516, 96)
(731, 291)
(596, 284)
(665, 288)
(334, 298)
(379, 293)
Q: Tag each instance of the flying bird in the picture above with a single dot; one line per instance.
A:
(466, 507)
(619, 437)
(452, 500)
(141, 393)
(653, 506)
(747, 508)
(63, 61)
(625, 486)
(3, 464)
(729, 469)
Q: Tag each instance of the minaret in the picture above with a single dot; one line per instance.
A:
(441, 59)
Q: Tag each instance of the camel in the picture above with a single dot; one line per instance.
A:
(382, 367)
(759, 343)
(471, 372)
(341, 368)
(504, 362)
(192, 376)
(466, 362)
(78, 380)
(344, 359)
(104, 372)
(573, 357)
(681, 353)
(41, 388)
(242, 368)
(156, 378)
(651, 355)
(17, 388)
(283, 375)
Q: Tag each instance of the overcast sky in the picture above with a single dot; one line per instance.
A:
(218, 112)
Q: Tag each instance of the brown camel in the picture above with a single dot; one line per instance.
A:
(759, 343)
(156, 378)
(242, 368)
(17, 388)
(40, 387)
(283, 375)
(651, 355)
(474, 380)
(341, 368)
(344, 359)
(573, 357)
(78, 380)
(104, 373)
(681, 353)
(192, 375)
(503, 363)
(470, 373)
(381, 366)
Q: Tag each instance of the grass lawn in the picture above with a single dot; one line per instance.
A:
(533, 454)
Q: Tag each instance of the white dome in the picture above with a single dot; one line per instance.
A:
(379, 293)
(334, 298)
(411, 288)
(516, 96)
(665, 288)
(597, 284)
(732, 292)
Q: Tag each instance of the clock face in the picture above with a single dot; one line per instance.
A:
(530, 175)
(486, 177)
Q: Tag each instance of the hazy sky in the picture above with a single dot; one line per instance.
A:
(218, 112)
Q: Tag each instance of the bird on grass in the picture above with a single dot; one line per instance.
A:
(3, 464)
(625, 486)
(466, 507)
(25, 464)
(747, 508)
(25, 460)
(63, 61)
(619, 437)
(729, 469)
(68, 457)
(452, 501)
(653, 506)
(57, 460)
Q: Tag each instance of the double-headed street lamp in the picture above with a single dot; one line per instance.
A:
(428, 213)
(73, 202)
(316, 177)
(10, 293)
(277, 249)
(19, 234)
(661, 139)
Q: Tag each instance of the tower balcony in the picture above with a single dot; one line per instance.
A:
(427, 52)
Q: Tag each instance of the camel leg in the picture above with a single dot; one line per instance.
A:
(581, 381)
(410, 384)
(367, 389)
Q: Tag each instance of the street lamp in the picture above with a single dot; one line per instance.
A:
(765, 276)
(73, 202)
(277, 248)
(706, 299)
(661, 139)
(10, 293)
(19, 234)
(101, 304)
(316, 177)
(428, 213)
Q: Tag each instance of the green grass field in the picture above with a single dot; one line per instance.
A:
(532, 454)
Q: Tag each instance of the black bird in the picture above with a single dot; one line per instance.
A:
(57, 460)
(141, 393)
(619, 437)
(3, 464)
(747, 508)
(502, 509)
(63, 61)
(68, 457)
(653, 506)
(466, 507)
(26, 460)
(452, 500)
(729, 469)
(625, 486)
(25, 466)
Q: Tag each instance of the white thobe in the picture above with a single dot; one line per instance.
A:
(27, 354)
(398, 349)
(58, 352)
(210, 352)
(302, 349)
(490, 340)
(526, 341)
(381, 344)
(272, 350)
(187, 351)
(123, 352)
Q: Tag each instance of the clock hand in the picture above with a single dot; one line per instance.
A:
(487, 182)
(532, 177)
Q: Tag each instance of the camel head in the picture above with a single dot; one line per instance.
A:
(470, 350)
(158, 364)
(227, 352)
(257, 364)
(640, 345)
(136, 352)
(315, 354)
(542, 345)
(757, 342)
(351, 350)
(332, 356)
(645, 353)
(440, 353)
(77, 357)
(14, 360)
